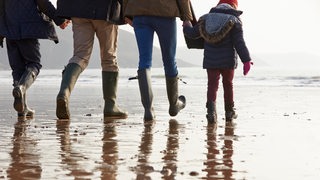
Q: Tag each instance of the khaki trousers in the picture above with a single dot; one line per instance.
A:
(84, 31)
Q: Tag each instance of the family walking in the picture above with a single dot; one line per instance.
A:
(221, 30)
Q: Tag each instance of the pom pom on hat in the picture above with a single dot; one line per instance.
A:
(231, 2)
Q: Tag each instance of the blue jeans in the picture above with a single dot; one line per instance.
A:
(166, 29)
(23, 54)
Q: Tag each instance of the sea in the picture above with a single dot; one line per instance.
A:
(258, 76)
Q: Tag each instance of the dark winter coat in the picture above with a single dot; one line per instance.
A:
(29, 19)
(89, 9)
(222, 54)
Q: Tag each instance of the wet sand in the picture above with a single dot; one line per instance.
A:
(276, 136)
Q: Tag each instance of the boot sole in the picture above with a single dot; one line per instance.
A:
(115, 116)
(26, 116)
(18, 99)
(174, 111)
(62, 110)
(229, 119)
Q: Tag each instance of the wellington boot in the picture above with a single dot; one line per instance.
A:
(109, 86)
(211, 112)
(176, 102)
(27, 113)
(20, 88)
(69, 78)
(230, 112)
(144, 78)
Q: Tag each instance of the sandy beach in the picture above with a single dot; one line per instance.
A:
(276, 135)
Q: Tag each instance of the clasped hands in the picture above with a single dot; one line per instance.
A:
(65, 24)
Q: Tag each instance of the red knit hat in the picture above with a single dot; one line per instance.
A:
(231, 2)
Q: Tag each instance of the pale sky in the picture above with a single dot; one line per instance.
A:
(271, 25)
(276, 25)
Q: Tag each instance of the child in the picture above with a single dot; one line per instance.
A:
(222, 31)
(22, 31)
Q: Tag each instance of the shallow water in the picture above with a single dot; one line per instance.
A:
(274, 137)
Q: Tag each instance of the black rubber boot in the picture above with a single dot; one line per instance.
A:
(176, 102)
(20, 89)
(230, 112)
(109, 86)
(144, 78)
(69, 78)
(211, 112)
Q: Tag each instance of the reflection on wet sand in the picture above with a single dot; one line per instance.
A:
(43, 149)
(110, 151)
(145, 149)
(70, 159)
(228, 151)
(218, 167)
(25, 154)
(169, 171)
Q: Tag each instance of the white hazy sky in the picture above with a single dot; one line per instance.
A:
(272, 25)
(276, 25)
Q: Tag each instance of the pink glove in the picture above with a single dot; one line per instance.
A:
(246, 67)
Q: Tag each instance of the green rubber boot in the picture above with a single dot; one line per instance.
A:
(176, 102)
(146, 94)
(109, 86)
(69, 78)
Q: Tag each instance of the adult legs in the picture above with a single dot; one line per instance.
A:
(107, 34)
(144, 36)
(166, 30)
(83, 37)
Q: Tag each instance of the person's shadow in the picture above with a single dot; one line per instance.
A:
(69, 157)
(25, 154)
(218, 167)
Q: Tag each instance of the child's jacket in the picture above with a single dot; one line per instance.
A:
(222, 30)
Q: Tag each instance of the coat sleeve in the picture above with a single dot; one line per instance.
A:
(124, 7)
(239, 43)
(185, 10)
(192, 32)
(46, 7)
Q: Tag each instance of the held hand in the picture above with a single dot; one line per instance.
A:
(128, 21)
(246, 67)
(64, 24)
(187, 24)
